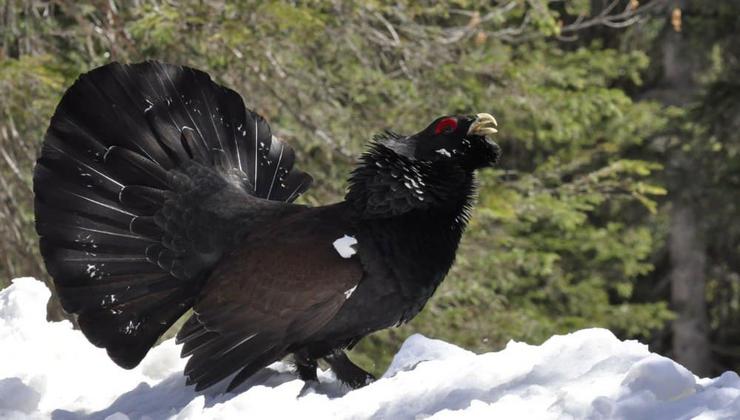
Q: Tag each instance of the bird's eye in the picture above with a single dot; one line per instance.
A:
(445, 126)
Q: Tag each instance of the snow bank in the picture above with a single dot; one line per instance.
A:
(48, 370)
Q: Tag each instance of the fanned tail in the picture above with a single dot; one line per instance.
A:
(130, 154)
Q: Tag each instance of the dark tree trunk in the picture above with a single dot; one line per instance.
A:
(681, 60)
(691, 345)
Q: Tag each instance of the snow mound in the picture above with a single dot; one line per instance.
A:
(49, 370)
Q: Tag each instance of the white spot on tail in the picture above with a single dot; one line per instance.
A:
(443, 152)
(108, 300)
(344, 244)
(131, 327)
(348, 292)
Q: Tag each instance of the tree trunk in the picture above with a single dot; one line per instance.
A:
(681, 67)
(691, 345)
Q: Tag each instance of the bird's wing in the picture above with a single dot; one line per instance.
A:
(276, 291)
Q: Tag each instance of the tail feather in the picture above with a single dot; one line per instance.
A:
(131, 168)
(81, 268)
(75, 231)
(130, 153)
(59, 195)
(141, 197)
(122, 288)
(106, 105)
(128, 330)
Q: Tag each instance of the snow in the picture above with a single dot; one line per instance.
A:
(49, 370)
(344, 245)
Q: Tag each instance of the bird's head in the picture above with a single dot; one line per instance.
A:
(430, 169)
(456, 139)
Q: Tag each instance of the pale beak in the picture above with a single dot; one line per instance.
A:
(483, 125)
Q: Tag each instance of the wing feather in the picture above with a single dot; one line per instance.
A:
(275, 293)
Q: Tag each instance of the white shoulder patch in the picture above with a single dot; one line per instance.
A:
(344, 244)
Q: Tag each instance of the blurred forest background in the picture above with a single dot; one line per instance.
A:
(616, 203)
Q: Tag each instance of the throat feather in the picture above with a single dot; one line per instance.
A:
(386, 184)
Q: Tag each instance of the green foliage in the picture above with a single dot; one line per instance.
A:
(560, 237)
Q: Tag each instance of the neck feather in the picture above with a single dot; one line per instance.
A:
(388, 184)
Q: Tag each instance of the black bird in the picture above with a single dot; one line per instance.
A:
(157, 191)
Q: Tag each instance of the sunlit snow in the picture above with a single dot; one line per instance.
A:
(48, 370)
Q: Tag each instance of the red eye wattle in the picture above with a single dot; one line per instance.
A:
(446, 125)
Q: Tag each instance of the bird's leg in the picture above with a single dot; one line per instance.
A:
(305, 366)
(346, 371)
